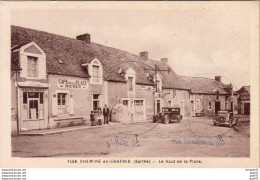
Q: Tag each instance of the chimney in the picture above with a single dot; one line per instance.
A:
(84, 37)
(164, 60)
(218, 78)
(144, 55)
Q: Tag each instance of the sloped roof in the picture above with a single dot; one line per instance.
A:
(15, 66)
(203, 85)
(74, 52)
(244, 97)
(244, 90)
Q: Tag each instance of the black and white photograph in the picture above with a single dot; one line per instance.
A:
(132, 83)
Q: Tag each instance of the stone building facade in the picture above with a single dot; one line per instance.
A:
(57, 78)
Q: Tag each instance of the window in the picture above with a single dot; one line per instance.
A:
(192, 105)
(158, 86)
(24, 97)
(62, 102)
(182, 106)
(139, 107)
(95, 74)
(209, 106)
(158, 102)
(125, 102)
(192, 96)
(32, 68)
(130, 84)
(95, 101)
(197, 105)
(169, 102)
(41, 98)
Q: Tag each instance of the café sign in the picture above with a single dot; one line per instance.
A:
(73, 84)
(32, 90)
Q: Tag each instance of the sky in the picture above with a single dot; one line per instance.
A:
(198, 42)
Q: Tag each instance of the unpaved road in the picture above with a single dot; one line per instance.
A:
(194, 137)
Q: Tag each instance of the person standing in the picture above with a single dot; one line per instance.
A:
(99, 117)
(105, 114)
(92, 119)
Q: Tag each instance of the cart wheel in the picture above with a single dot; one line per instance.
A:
(166, 120)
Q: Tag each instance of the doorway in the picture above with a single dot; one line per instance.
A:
(139, 109)
(158, 106)
(33, 109)
(247, 108)
(192, 107)
(217, 107)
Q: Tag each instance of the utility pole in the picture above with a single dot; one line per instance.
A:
(156, 70)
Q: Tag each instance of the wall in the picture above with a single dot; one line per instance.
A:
(146, 92)
(178, 97)
(14, 109)
(204, 103)
(82, 97)
(116, 91)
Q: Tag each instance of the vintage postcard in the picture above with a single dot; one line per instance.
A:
(129, 84)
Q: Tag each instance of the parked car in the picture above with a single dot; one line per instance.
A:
(225, 118)
(168, 114)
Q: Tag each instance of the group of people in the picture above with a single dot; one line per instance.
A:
(104, 113)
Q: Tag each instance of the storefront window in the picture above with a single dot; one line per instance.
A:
(62, 103)
(24, 97)
(41, 98)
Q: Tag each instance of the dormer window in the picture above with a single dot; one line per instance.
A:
(95, 70)
(130, 77)
(158, 86)
(130, 84)
(32, 66)
(33, 61)
(95, 74)
(158, 82)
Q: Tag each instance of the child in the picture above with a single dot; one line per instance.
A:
(92, 119)
(99, 117)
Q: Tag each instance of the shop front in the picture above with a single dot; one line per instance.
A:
(32, 108)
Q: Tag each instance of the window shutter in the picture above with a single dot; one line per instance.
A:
(198, 104)
(71, 107)
(54, 104)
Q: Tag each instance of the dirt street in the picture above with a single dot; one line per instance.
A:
(193, 137)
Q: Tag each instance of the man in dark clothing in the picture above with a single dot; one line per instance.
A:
(105, 114)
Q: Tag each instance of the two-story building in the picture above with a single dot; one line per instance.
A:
(55, 77)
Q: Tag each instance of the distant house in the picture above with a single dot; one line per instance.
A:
(208, 96)
(244, 100)
(56, 78)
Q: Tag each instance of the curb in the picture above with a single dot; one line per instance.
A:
(59, 131)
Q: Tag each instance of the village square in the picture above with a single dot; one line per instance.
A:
(74, 97)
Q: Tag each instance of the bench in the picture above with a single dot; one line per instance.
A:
(69, 121)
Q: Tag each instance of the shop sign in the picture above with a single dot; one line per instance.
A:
(73, 84)
(33, 90)
(142, 88)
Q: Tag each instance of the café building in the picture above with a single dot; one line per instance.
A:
(56, 78)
